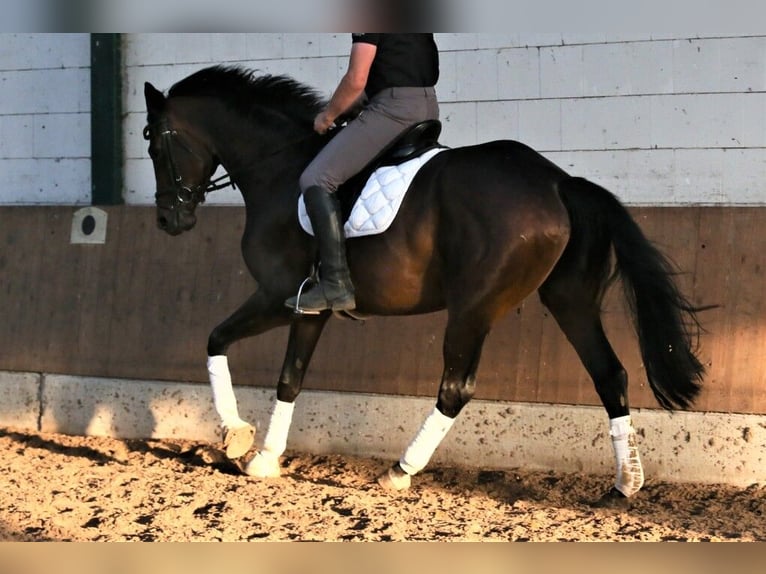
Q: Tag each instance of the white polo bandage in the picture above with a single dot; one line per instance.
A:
(434, 429)
(223, 394)
(630, 474)
(275, 442)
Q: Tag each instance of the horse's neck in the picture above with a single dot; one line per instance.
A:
(257, 156)
(265, 164)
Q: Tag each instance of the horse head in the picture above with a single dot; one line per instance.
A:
(183, 164)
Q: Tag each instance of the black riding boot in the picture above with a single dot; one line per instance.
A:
(334, 290)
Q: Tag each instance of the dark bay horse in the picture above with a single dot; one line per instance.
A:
(481, 228)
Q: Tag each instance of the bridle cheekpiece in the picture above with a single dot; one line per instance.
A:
(182, 196)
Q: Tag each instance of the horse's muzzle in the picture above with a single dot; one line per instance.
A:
(175, 222)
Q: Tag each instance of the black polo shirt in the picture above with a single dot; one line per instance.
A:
(401, 60)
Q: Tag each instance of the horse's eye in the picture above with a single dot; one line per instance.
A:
(147, 133)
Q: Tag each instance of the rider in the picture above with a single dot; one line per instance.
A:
(393, 76)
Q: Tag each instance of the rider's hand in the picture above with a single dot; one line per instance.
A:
(323, 122)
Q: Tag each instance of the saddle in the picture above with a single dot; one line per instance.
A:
(414, 142)
(370, 200)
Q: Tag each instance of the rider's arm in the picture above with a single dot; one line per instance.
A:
(351, 87)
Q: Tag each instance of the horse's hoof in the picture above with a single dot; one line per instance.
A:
(395, 479)
(614, 499)
(263, 466)
(238, 440)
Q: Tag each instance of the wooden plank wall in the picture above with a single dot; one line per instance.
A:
(141, 306)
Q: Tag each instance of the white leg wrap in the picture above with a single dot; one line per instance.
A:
(266, 461)
(275, 442)
(630, 473)
(431, 434)
(223, 393)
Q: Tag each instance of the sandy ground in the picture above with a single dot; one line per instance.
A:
(65, 488)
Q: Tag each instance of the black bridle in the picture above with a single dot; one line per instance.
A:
(182, 196)
(187, 196)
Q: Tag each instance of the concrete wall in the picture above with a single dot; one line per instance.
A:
(659, 119)
(683, 447)
(45, 119)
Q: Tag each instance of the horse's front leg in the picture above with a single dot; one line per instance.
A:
(462, 350)
(305, 331)
(257, 315)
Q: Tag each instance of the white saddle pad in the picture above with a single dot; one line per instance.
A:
(380, 199)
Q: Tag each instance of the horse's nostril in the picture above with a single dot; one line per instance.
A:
(162, 223)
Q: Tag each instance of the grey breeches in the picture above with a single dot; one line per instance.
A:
(387, 115)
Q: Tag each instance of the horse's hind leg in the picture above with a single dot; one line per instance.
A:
(304, 335)
(463, 343)
(577, 311)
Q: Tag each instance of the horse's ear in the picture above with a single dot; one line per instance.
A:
(155, 100)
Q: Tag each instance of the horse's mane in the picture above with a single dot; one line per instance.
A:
(244, 91)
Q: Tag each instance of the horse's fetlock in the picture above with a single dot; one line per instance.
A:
(287, 391)
(216, 344)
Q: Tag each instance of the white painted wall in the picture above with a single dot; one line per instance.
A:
(658, 119)
(45, 119)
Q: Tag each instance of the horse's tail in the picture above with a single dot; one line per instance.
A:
(665, 321)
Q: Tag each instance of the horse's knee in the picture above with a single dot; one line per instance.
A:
(454, 395)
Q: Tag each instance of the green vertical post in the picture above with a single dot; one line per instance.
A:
(106, 119)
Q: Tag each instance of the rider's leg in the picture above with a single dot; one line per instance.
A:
(387, 116)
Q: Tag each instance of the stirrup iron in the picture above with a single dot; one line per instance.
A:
(308, 280)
